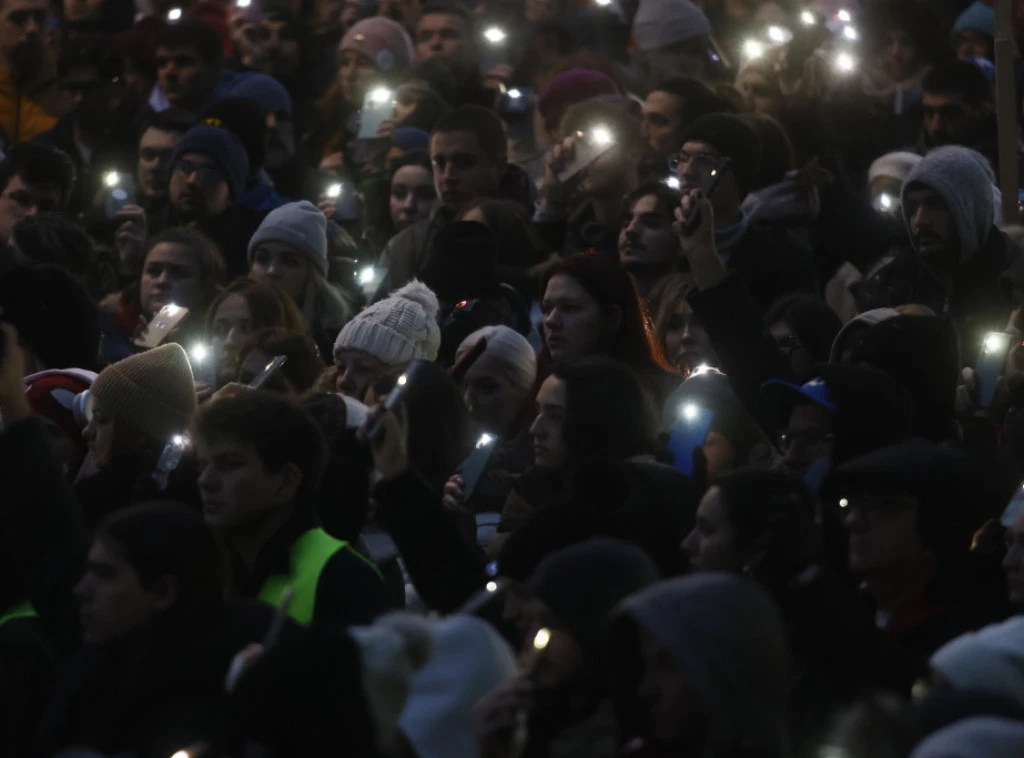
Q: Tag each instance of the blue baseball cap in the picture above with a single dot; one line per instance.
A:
(815, 391)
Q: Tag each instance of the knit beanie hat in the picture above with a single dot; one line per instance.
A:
(409, 138)
(568, 88)
(979, 17)
(245, 119)
(383, 41)
(978, 737)
(220, 146)
(299, 225)
(264, 89)
(991, 659)
(508, 347)
(397, 330)
(963, 183)
(897, 165)
(660, 23)
(732, 138)
(153, 391)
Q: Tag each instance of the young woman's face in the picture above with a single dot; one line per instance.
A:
(114, 604)
(232, 324)
(412, 195)
(687, 344)
(282, 265)
(355, 74)
(171, 274)
(357, 371)
(711, 546)
(492, 399)
(550, 450)
(572, 319)
(99, 433)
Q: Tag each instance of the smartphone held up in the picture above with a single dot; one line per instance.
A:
(587, 149)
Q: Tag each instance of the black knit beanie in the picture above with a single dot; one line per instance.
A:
(733, 139)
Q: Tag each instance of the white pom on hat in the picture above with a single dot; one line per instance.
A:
(417, 292)
(397, 330)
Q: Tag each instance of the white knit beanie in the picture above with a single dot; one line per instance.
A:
(897, 165)
(298, 225)
(399, 329)
(991, 659)
(508, 347)
(660, 23)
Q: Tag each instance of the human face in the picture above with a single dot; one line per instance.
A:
(22, 26)
(492, 399)
(762, 95)
(77, 11)
(155, 148)
(232, 325)
(687, 344)
(719, 455)
(407, 98)
(971, 43)
(932, 226)
(279, 264)
(253, 366)
(326, 16)
(560, 660)
(198, 189)
(355, 75)
(113, 602)
(1013, 563)
(647, 239)
(808, 437)
(358, 370)
(170, 275)
(883, 532)
(184, 78)
(662, 123)
(19, 201)
(445, 37)
(99, 434)
(462, 172)
(697, 164)
(236, 487)
(947, 120)
(672, 708)
(278, 47)
(246, 44)
(573, 325)
(550, 450)
(900, 57)
(399, 10)
(412, 195)
(789, 343)
(711, 546)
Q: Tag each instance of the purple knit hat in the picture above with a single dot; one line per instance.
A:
(381, 40)
(567, 89)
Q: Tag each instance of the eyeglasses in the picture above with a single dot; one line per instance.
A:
(27, 201)
(808, 437)
(204, 173)
(702, 162)
(22, 17)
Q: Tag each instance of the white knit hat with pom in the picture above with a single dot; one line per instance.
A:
(399, 329)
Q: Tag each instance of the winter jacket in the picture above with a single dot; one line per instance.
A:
(29, 109)
(771, 262)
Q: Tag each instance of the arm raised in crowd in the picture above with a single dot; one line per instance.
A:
(445, 569)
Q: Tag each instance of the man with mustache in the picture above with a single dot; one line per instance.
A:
(30, 99)
(648, 245)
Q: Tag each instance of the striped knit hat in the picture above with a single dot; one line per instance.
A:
(154, 391)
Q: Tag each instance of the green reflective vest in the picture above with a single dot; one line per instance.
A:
(20, 611)
(309, 555)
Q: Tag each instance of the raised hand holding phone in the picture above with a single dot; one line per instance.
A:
(698, 243)
(386, 430)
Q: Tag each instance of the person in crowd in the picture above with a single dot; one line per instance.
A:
(679, 331)
(987, 660)
(189, 66)
(260, 461)
(179, 267)
(445, 32)
(468, 150)
(668, 109)
(974, 32)
(34, 179)
(519, 245)
(957, 109)
(648, 243)
(30, 98)
(576, 85)
(289, 250)
(739, 629)
(136, 46)
(53, 238)
(299, 372)
(672, 39)
(742, 244)
(804, 328)
(382, 340)
(886, 176)
(411, 197)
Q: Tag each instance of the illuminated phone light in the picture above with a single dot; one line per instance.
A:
(243, 3)
(402, 380)
(179, 440)
(851, 33)
(381, 95)
(994, 343)
(885, 201)
(111, 179)
(542, 638)
(199, 352)
(780, 35)
(367, 275)
(603, 3)
(703, 368)
(514, 94)
(673, 182)
(495, 35)
(181, 754)
(485, 440)
(808, 19)
(844, 16)
(492, 586)
(333, 191)
(845, 63)
(843, 502)
(172, 309)
(753, 49)
(601, 135)
(174, 14)
(690, 411)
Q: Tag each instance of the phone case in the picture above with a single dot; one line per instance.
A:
(268, 372)
(473, 468)
(162, 324)
(586, 153)
(990, 365)
(686, 436)
(374, 113)
(120, 196)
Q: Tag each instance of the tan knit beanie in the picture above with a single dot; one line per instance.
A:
(154, 391)
(399, 329)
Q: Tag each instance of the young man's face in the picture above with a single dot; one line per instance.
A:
(948, 119)
(185, 79)
(445, 37)
(278, 48)
(883, 532)
(932, 227)
(647, 238)
(971, 43)
(462, 172)
(237, 488)
(19, 200)
(155, 149)
(698, 162)
(23, 23)
(198, 189)
(662, 123)
(807, 438)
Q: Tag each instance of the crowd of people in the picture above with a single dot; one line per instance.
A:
(541, 379)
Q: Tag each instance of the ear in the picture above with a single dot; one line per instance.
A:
(612, 318)
(289, 483)
(164, 592)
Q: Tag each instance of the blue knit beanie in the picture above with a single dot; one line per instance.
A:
(409, 138)
(264, 89)
(298, 225)
(220, 146)
(979, 17)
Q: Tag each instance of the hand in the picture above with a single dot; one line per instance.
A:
(453, 492)
(12, 376)
(231, 389)
(387, 433)
(499, 715)
(332, 162)
(328, 208)
(499, 75)
(130, 238)
(204, 391)
(699, 245)
(555, 193)
(386, 129)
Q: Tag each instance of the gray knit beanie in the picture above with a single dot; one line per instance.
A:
(959, 176)
(399, 329)
(660, 23)
(153, 391)
(299, 225)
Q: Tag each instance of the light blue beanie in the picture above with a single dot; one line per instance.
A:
(299, 225)
(979, 17)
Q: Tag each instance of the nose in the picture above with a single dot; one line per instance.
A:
(537, 429)
(207, 480)
(346, 383)
(408, 202)
(32, 27)
(83, 590)
(552, 319)
(689, 544)
(234, 339)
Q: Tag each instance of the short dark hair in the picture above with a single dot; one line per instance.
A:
(668, 198)
(193, 33)
(448, 8)
(959, 78)
(303, 365)
(39, 166)
(698, 99)
(277, 428)
(482, 123)
(175, 120)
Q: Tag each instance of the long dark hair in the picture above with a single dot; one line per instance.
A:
(438, 423)
(605, 280)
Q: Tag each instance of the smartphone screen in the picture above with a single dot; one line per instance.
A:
(688, 433)
(377, 107)
(995, 346)
(473, 468)
(268, 372)
(120, 191)
(590, 146)
(162, 324)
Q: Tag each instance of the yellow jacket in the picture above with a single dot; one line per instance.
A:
(27, 110)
